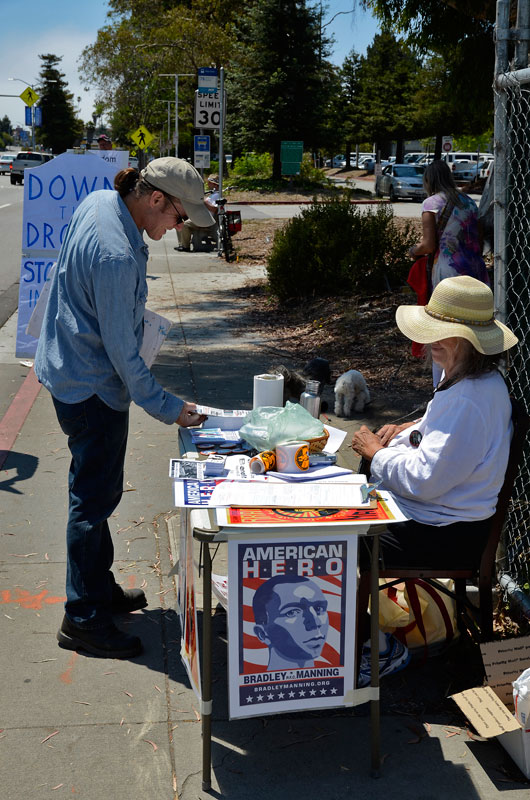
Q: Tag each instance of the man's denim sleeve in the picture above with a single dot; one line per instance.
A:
(120, 310)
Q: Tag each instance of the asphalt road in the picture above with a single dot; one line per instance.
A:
(11, 207)
(10, 245)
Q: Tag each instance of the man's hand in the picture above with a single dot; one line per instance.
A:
(366, 443)
(189, 416)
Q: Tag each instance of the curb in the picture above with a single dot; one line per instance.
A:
(375, 201)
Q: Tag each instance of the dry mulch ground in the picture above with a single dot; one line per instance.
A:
(350, 332)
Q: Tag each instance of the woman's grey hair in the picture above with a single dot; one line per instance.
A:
(438, 178)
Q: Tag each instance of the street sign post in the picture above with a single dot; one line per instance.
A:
(447, 144)
(29, 96)
(208, 109)
(207, 82)
(142, 137)
(201, 152)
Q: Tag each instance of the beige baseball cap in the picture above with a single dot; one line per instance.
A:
(180, 179)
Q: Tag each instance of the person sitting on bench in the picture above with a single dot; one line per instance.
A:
(184, 235)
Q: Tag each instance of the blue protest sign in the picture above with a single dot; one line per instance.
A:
(52, 192)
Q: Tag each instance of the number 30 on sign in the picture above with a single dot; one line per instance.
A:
(208, 110)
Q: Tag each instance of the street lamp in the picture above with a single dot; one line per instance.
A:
(176, 76)
(168, 123)
(31, 86)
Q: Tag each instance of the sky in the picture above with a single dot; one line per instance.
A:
(65, 27)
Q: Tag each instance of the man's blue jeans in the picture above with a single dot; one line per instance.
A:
(97, 439)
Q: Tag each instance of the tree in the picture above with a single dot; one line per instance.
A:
(130, 52)
(5, 125)
(387, 79)
(60, 128)
(278, 85)
(351, 118)
(460, 34)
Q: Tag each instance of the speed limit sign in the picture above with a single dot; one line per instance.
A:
(208, 110)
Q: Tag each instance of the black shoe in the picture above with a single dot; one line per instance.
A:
(108, 641)
(182, 249)
(128, 600)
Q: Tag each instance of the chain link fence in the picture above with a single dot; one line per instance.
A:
(512, 165)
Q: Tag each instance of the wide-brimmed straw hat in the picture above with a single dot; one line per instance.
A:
(459, 306)
(178, 178)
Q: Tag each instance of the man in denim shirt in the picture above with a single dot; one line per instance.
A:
(88, 357)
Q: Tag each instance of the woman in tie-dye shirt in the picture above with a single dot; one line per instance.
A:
(450, 228)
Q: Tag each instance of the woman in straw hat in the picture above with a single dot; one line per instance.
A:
(447, 468)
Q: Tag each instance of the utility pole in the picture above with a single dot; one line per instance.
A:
(176, 76)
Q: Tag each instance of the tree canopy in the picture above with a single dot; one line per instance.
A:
(279, 81)
(130, 52)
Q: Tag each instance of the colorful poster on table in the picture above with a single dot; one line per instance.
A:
(291, 616)
(386, 510)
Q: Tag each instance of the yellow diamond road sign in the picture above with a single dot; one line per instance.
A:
(29, 96)
(142, 137)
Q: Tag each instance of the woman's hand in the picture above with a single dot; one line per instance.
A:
(189, 416)
(366, 443)
(387, 432)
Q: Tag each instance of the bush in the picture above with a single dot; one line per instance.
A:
(253, 164)
(332, 248)
(309, 173)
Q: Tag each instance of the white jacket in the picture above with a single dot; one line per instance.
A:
(457, 471)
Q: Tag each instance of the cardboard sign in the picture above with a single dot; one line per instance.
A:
(504, 661)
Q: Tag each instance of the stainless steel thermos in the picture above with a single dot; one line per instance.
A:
(310, 399)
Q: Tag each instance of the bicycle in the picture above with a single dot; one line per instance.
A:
(229, 222)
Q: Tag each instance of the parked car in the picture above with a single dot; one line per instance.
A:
(5, 161)
(469, 170)
(487, 169)
(401, 181)
(412, 158)
(368, 164)
(26, 160)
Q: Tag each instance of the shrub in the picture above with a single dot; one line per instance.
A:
(253, 164)
(310, 173)
(333, 248)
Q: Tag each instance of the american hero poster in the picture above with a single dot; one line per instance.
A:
(291, 612)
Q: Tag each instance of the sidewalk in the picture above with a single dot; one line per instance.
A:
(72, 725)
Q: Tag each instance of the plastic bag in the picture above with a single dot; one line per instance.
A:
(521, 698)
(418, 614)
(268, 426)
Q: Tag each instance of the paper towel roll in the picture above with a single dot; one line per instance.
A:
(292, 457)
(268, 390)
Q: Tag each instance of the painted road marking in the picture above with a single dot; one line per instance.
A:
(16, 414)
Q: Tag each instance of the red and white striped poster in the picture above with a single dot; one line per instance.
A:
(291, 612)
